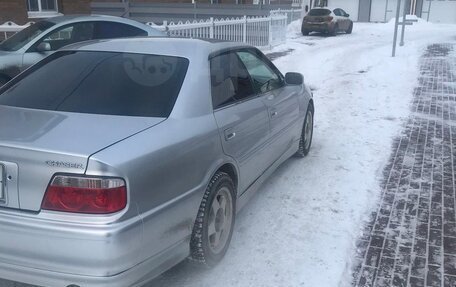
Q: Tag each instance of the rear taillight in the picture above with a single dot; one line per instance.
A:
(329, 19)
(91, 195)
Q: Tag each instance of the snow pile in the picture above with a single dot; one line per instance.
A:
(301, 227)
(294, 28)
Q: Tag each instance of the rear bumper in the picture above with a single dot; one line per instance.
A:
(31, 246)
(134, 277)
(37, 250)
(324, 27)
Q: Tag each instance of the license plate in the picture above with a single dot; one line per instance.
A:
(2, 189)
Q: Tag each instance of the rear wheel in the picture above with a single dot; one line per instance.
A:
(305, 32)
(350, 29)
(215, 221)
(307, 133)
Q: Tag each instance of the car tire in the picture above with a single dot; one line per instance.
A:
(333, 32)
(214, 223)
(350, 29)
(305, 140)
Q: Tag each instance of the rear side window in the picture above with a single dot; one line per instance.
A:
(106, 30)
(100, 83)
(230, 80)
(319, 12)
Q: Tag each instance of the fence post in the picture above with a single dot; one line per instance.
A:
(126, 9)
(165, 24)
(244, 30)
(270, 31)
(211, 28)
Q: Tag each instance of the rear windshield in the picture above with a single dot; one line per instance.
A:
(100, 83)
(319, 12)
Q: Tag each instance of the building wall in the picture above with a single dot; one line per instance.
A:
(185, 1)
(349, 6)
(13, 10)
(16, 10)
(74, 6)
(442, 11)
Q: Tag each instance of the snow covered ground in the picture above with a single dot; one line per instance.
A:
(301, 227)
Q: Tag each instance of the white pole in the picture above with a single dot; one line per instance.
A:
(386, 9)
(403, 23)
(429, 10)
(396, 23)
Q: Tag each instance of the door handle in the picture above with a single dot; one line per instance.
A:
(230, 136)
(273, 114)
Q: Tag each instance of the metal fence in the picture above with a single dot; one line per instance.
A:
(292, 14)
(10, 28)
(262, 32)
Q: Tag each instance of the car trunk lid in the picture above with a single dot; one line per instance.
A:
(36, 144)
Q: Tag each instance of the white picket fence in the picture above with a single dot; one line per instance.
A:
(11, 28)
(292, 14)
(262, 32)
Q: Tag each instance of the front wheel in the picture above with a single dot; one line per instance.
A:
(350, 29)
(307, 133)
(215, 221)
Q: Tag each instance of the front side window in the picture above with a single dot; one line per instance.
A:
(343, 13)
(105, 83)
(230, 80)
(264, 78)
(69, 34)
(20, 39)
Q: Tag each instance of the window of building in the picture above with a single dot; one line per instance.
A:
(42, 8)
(321, 3)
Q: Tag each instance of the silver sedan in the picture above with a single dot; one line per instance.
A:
(41, 39)
(121, 158)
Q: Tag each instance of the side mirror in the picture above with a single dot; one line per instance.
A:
(294, 78)
(43, 47)
(347, 15)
